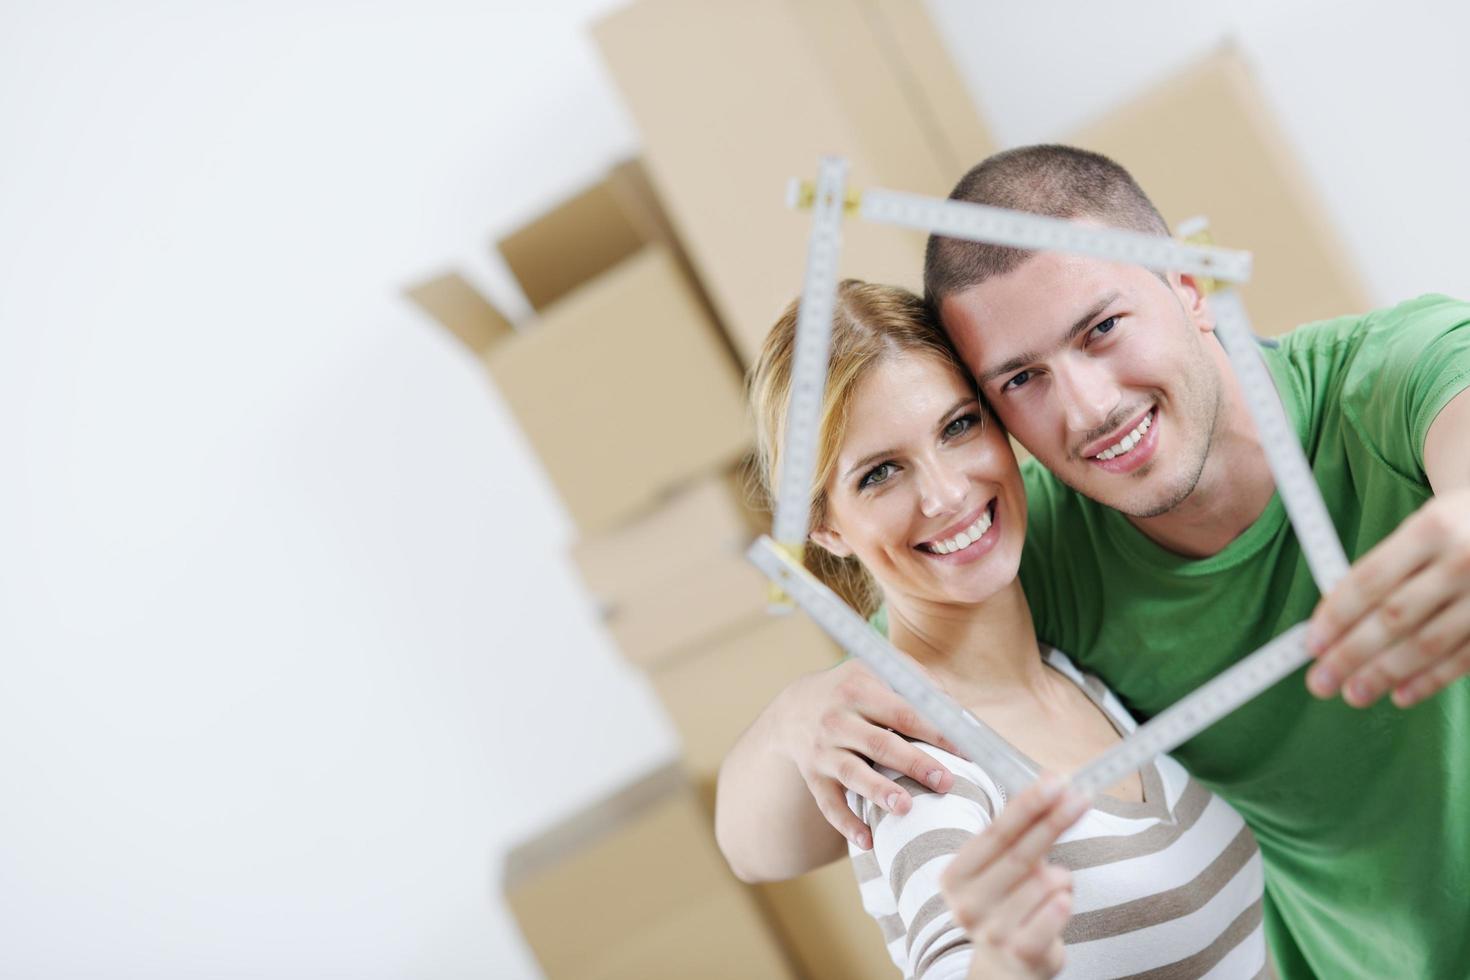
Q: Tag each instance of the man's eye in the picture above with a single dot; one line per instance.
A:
(1016, 381)
(1106, 327)
(876, 476)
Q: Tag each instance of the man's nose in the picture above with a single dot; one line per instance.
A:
(942, 490)
(1088, 393)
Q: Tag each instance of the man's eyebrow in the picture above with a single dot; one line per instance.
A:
(943, 421)
(1026, 357)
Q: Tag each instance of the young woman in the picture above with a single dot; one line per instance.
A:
(918, 505)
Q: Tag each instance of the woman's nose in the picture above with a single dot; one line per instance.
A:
(942, 491)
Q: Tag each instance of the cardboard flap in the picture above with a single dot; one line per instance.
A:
(462, 310)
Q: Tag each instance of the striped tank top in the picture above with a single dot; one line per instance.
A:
(1164, 888)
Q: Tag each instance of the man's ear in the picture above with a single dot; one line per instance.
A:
(1192, 297)
(831, 541)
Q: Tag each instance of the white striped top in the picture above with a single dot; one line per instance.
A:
(1168, 887)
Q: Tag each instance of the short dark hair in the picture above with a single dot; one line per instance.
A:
(1048, 179)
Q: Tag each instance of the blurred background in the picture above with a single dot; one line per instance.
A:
(337, 643)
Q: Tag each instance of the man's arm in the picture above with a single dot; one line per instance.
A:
(1447, 447)
(1400, 620)
(781, 807)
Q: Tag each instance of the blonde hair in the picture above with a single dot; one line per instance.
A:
(870, 324)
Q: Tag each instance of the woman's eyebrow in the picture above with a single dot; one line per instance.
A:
(869, 460)
(944, 419)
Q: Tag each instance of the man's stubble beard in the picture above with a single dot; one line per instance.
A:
(1181, 490)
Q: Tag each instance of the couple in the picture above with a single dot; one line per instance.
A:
(1154, 552)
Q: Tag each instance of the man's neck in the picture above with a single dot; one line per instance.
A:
(1233, 490)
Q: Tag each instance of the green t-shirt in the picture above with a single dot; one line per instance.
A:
(1363, 817)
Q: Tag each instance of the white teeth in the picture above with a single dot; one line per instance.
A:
(1129, 441)
(965, 538)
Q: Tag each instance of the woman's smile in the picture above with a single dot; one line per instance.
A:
(966, 541)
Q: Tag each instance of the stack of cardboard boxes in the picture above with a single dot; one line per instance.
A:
(634, 888)
(734, 99)
(631, 396)
(653, 290)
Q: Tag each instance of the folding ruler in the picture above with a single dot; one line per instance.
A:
(780, 559)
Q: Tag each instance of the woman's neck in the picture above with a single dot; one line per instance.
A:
(982, 653)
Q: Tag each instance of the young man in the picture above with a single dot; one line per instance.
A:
(1158, 554)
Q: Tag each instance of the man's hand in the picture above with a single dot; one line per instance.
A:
(834, 723)
(1400, 619)
(1011, 903)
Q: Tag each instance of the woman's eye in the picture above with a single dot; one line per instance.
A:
(1104, 328)
(875, 476)
(959, 426)
(1016, 381)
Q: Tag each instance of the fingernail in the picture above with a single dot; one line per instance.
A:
(1360, 694)
(934, 778)
(891, 802)
(1322, 682)
(1403, 697)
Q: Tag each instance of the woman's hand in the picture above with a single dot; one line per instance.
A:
(835, 723)
(1011, 903)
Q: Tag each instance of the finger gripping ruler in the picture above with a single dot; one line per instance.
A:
(975, 741)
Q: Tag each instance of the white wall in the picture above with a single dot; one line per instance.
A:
(288, 648)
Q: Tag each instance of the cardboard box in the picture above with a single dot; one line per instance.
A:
(820, 919)
(1203, 144)
(635, 888)
(733, 99)
(822, 923)
(625, 390)
(899, 90)
(941, 104)
(462, 310)
(703, 605)
(710, 518)
(677, 576)
(585, 236)
(712, 694)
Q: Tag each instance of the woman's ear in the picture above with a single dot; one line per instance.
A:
(831, 541)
